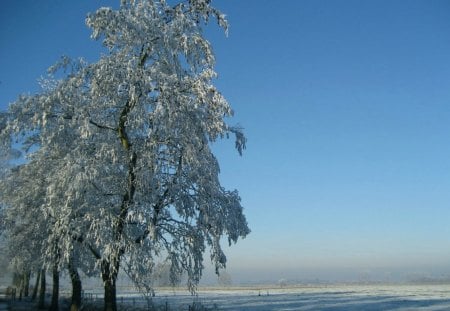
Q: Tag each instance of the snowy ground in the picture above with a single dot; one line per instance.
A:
(342, 297)
(331, 297)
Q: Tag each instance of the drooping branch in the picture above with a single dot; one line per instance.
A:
(158, 206)
(80, 239)
(157, 209)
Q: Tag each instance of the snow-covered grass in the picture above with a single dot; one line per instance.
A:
(321, 297)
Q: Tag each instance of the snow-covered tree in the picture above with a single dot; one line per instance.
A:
(25, 226)
(134, 180)
(36, 221)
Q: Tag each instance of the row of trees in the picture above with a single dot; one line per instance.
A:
(119, 172)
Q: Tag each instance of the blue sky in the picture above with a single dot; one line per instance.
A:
(346, 106)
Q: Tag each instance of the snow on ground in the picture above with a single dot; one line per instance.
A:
(321, 297)
(333, 297)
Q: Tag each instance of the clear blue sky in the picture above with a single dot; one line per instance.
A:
(346, 106)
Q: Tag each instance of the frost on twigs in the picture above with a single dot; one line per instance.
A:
(122, 151)
(241, 141)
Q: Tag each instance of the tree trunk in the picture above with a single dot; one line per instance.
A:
(36, 285)
(41, 303)
(109, 282)
(55, 291)
(76, 287)
(21, 285)
(26, 283)
(110, 295)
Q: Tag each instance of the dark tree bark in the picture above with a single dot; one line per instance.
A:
(41, 303)
(21, 285)
(76, 287)
(36, 285)
(109, 280)
(26, 284)
(55, 292)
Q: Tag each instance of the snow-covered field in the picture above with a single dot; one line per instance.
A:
(332, 297)
(320, 297)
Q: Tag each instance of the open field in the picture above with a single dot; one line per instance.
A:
(330, 297)
(266, 298)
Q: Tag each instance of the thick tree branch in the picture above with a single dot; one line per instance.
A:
(105, 127)
(94, 252)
